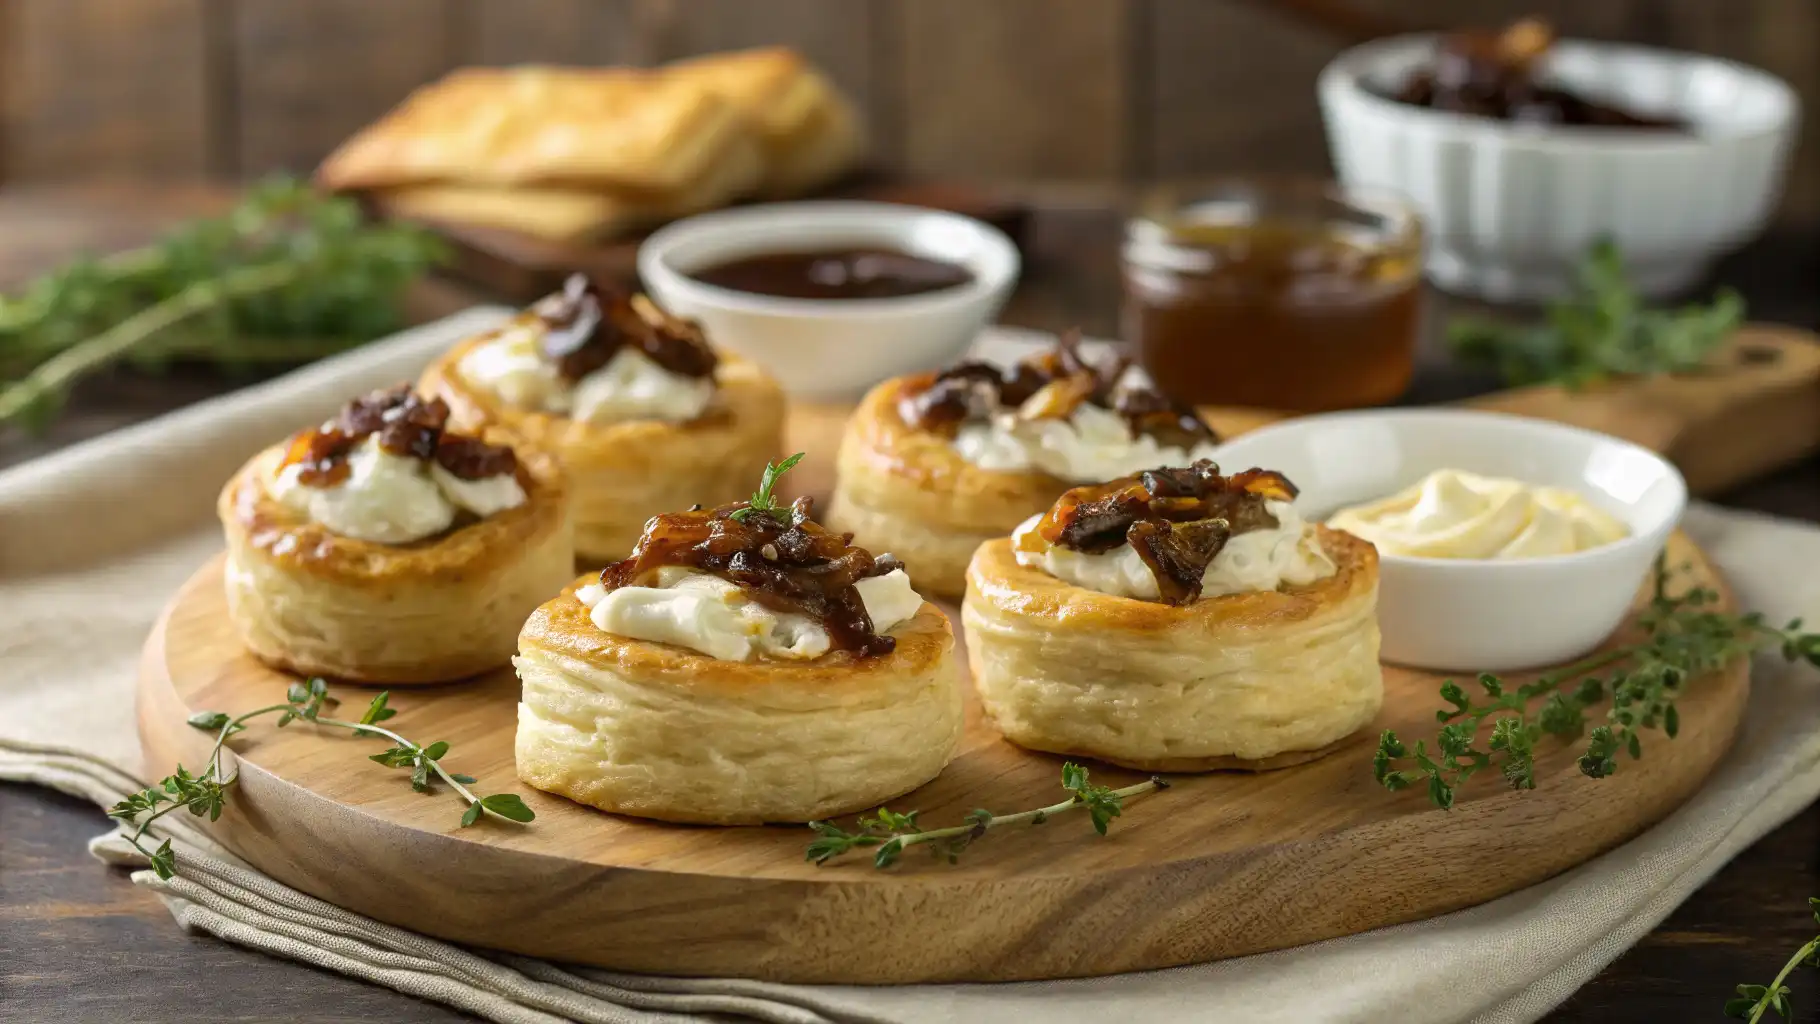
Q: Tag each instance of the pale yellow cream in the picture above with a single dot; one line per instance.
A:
(1455, 514)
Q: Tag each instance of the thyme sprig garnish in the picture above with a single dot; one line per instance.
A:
(206, 794)
(1753, 1001)
(1685, 636)
(763, 500)
(287, 276)
(1602, 330)
(892, 832)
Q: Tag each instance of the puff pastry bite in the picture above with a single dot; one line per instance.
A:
(384, 547)
(1177, 620)
(744, 665)
(933, 465)
(644, 416)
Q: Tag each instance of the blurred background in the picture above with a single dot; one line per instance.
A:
(1079, 90)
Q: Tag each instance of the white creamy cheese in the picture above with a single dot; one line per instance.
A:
(629, 387)
(1455, 514)
(1289, 555)
(1092, 444)
(392, 499)
(701, 611)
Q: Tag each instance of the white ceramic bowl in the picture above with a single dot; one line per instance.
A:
(832, 348)
(1472, 614)
(1512, 208)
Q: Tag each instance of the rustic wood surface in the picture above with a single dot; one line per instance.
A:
(109, 88)
(1223, 865)
(85, 945)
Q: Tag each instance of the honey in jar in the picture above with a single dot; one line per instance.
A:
(1291, 296)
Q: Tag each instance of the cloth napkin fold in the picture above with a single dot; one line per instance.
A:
(95, 538)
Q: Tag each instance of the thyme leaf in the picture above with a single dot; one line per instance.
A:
(1685, 636)
(892, 833)
(763, 500)
(206, 794)
(1600, 331)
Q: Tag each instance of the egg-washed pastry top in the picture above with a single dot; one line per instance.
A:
(1176, 536)
(1058, 414)
(386, 469)
(596, 357)
(740, 582)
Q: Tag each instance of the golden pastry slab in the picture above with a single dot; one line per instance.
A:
(1219, 865)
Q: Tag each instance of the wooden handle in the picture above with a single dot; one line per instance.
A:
(1757, 410)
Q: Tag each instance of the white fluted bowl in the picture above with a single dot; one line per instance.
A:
(1512, 208)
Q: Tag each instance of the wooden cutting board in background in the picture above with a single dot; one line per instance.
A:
(1757, 410)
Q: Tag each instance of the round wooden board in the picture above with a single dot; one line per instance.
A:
(1219, 865)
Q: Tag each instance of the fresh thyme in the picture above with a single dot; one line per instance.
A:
(1753, 1001)
(304, 702)
(762, 500)
(892, 832)
(1602, 330)
(1685, 636)
(287, 276)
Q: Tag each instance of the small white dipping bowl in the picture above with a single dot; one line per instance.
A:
(832, 348)
(1480, 614)
(1511, 208)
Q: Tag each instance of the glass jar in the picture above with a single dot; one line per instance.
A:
(1294, 295)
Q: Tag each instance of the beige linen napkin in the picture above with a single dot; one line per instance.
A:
(95, 538)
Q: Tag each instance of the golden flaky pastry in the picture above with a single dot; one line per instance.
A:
(1250, 680)
(663, 732)
(577, 214)
(621, 474)
(906, 491)
(811, 133)
(439, 609)
(541, 125)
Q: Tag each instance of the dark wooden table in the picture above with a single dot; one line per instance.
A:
(78, 942)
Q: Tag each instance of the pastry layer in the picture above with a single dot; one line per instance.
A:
(1224, 682)
(544, 125)
(441, 609)
(662, 732)
(621, 474)
(907, 491)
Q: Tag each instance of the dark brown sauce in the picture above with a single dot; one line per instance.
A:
(1495, 76)
(1177, 520)
(784, 559)
(408, 425)
(835, 274)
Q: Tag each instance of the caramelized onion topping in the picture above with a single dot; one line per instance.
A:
(1050, 385)
(585, 328)
(408, 425)
(783, 559)
(1176, 519)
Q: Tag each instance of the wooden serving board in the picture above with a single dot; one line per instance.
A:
(1219, 865)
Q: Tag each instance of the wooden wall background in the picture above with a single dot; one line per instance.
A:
(985, 89)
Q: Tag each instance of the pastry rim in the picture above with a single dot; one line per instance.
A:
(996, 576)
(561, 626)
(258, 523)
(741, 391)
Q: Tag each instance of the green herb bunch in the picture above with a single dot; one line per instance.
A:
(206, 794)
(1685, 636)
(287, 276)
(892, 832)
(1602, 330)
